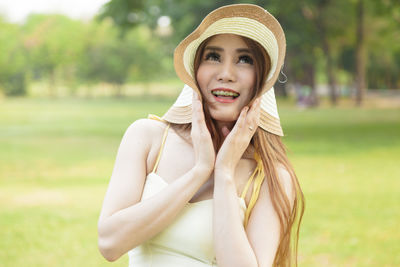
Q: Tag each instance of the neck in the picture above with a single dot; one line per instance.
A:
(227, 124)
(225, 127)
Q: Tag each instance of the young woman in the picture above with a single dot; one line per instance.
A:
(210, 184)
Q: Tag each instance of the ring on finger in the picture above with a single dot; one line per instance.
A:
(251, 128)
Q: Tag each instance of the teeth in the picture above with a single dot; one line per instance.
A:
(225, 93)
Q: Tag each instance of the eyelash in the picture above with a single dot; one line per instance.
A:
(213, 55)
(248, 59)
(216, 57)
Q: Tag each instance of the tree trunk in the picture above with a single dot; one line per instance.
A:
(360, 54)
(328, 54)
(310, 78)
(118, 90)
(52, 83)
(330, 72)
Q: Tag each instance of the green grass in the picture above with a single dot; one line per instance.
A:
(56, 156)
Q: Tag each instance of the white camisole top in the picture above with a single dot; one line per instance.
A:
(188, 240)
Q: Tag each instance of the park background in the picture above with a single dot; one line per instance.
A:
(69, 88)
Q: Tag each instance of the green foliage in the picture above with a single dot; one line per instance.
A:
(100, 60)
(62, 51)
(13, 69)
(384, 44)
(54, 45)
(15, 84)
(108, 57)
(125, 14)
(309, 25)
(125, 45)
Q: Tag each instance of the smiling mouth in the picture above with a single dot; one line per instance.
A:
(225, 94)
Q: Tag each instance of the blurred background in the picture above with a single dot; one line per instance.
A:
(74, 75)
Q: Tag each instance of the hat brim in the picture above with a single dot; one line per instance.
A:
(242, 19)
(246, 20)
(181, 111)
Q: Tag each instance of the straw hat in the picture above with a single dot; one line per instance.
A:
(246, 20)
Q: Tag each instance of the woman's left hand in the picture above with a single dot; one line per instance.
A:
(237, 140)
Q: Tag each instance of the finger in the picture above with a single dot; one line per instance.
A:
(241, 120)
(198, 119)
(195, 96)
(196, 104)
(256, 105)
(195, 112)
(254, 114)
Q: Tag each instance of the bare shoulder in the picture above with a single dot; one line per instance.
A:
(140, 136)
(284, 174)
(145, 129)
(147, 125)
(287, 181)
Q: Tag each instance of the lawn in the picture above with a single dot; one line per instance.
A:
(56, 156)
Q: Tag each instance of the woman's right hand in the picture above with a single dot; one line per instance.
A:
(201, 138)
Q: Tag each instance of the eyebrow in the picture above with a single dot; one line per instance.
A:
(220, 49)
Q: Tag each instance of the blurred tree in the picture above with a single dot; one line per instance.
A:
(184, 14)
(361, 53)
(321, 21)
(115, 59)
(332, 23)
(377, 44)
(322, 41)
(54, 45)
(103, 59)
(13, 69)
(302, 41)
(383, 42)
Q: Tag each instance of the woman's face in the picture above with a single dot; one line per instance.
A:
(226, 76)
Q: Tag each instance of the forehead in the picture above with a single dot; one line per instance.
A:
(227, 41)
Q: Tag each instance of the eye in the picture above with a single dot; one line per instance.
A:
(212, 56)
(246, 59)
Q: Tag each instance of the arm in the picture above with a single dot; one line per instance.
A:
(257, 245)
(263, 229)
(124, 221)
(232, 247)
(235, 246)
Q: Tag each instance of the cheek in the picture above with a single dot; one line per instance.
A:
(202, 77)
(249, 79)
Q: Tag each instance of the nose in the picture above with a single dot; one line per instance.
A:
(227, 72)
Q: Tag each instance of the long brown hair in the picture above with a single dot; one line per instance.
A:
(273, 154)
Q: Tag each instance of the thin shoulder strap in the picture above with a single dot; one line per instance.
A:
(154, 117)
(259, 178)
(161, 148)
(246, 188)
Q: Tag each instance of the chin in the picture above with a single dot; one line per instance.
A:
(224, 116)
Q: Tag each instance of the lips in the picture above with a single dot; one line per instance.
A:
(225, 95)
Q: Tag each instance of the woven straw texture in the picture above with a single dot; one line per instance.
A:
(242, 19)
